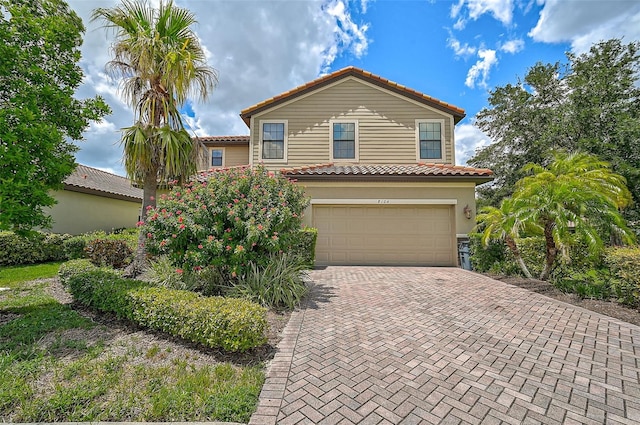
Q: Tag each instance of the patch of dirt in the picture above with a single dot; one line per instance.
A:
(608, 308)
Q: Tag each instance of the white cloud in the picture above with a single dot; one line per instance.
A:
(260, 48)
(469, 139)
(501, 10)
(585, 24)
(460, 49)
(479, 73)
(512, 46)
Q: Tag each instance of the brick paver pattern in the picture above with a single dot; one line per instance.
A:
(382, 345)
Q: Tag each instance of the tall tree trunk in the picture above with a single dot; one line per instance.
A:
(511, 243)
(149, 190)
(551, 251)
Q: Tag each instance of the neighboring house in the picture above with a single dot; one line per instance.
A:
(377, 160)
(224, 151)
(95, 200)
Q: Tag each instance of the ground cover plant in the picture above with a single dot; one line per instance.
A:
(59, 362)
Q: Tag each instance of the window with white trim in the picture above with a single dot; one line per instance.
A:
(344, 140)
(429, 135)
(217, 157)
(274, 140)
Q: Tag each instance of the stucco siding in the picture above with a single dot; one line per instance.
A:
(386, 125)
(462, 193)
(77, 213)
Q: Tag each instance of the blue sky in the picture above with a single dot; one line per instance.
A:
(455, 51)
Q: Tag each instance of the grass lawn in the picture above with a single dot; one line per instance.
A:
(58, 364)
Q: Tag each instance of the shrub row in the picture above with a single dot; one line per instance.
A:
(38, 247)
(230, 324)
(35, 248)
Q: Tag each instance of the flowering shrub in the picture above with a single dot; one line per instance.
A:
(238, 217)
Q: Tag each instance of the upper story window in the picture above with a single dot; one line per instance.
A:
(217, 157)
(344, 140)
(274, 140)
(429, 134)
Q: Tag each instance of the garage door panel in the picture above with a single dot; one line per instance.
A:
(374, 234)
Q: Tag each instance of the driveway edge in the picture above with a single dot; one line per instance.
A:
(275, 384)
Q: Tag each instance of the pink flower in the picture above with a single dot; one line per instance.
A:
(163, 243)
(239, 248)
(174, 236)
(180, 219)
(254, 244)
(228, 248)
(260, 227)
(179, 271)
(182, 226)
(149, 207)
(200, 246)
(210, 238)
(140, 223)
(153, 198)
(149, 235)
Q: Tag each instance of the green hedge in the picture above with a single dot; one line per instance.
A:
(624, 262)
(227, 323)
(305, 246)
(38, 247)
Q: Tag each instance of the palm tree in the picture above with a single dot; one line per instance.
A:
(577, 197)
(161, 64)
(503, 224)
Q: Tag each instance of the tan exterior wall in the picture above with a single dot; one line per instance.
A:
(386, 125)
(462, 193)
(77, 213)
(232, 156)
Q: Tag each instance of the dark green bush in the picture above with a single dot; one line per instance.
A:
(74, 247)
(280, 284)
(230, 324)
(592, 284)
(37, 247)
(624, 263)
(493, 258)
(304, 245)
(109, 252)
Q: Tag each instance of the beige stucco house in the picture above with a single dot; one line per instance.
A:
(93, 199)
(377, 160)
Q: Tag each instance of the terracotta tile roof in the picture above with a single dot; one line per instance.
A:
(97, 182)
(420, 170)
(224, 140)
(457, 112)
(203, 176)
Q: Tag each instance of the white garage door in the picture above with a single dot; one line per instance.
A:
(385, 235)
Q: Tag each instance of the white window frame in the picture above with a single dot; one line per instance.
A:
(442, 139)
(356, 157)
(224, 157)
(286, 141)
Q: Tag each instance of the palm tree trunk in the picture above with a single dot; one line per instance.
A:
(511, 243)
(550, 250)
(149, 190)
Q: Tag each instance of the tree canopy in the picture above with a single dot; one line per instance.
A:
(39, 115)
(590, 104)
(576, 198)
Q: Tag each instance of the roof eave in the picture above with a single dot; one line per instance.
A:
(104, 194)
(388, 178)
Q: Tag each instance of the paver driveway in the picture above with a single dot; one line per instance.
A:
(442, 345)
